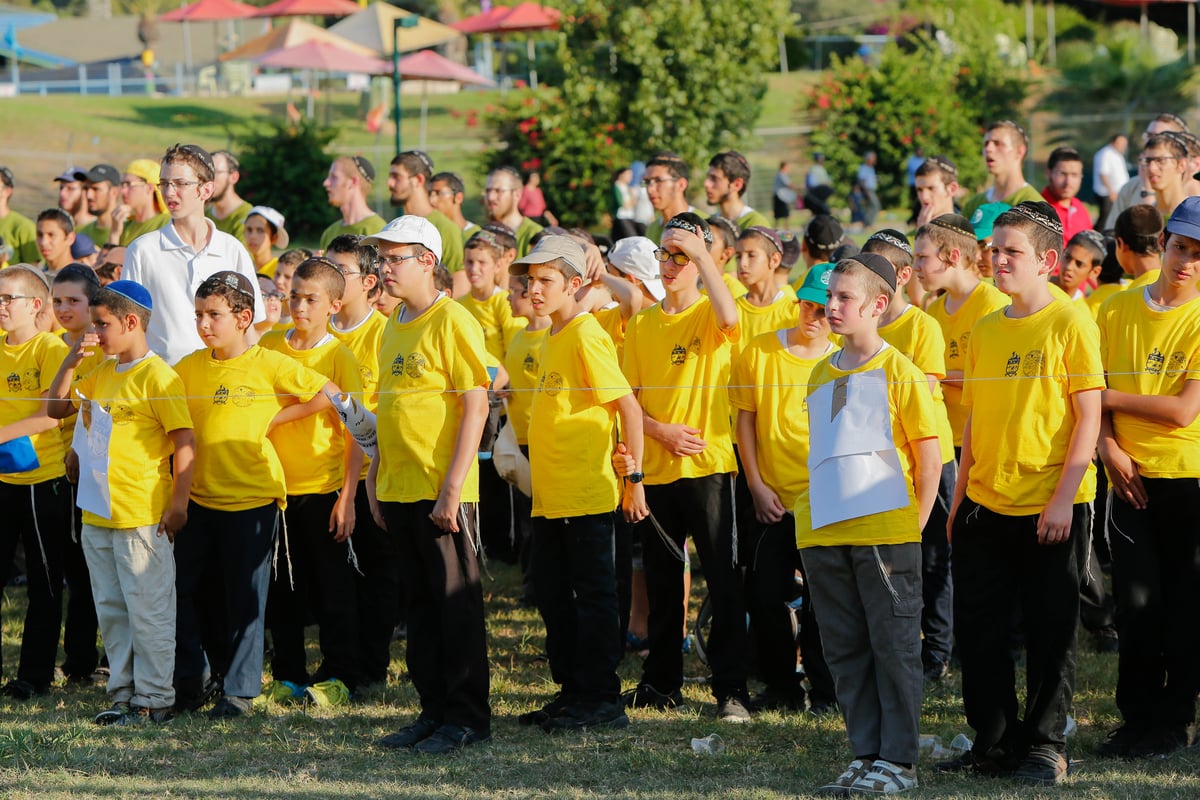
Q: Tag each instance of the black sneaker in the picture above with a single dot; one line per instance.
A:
(140, 715)
(110, 716)
(646, 696)
(935, 671)
(450, 738)
(23, 690)
(773, 699)
(1042, 765)
(579, 716)
(193, 695)
(970, 762)
(540, 715)
(229, 707)
(410, 736)
(1107, 640)
(1162, 740)
(1120, 742)
(732, 709)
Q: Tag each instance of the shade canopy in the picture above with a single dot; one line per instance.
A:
(209, 11)
(522, 17)
(290, 34)
(373, 27)
(325, 57)
(310, 8)
(428, 65)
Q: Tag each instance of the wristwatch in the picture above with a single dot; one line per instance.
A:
(636, 477)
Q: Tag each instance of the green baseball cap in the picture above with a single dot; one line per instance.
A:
(984, 216)
(816, 283)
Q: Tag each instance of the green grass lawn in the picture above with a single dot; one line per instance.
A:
(50, 749)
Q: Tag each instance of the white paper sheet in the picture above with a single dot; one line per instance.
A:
(358, 420)
(854, 470)
(91, 445)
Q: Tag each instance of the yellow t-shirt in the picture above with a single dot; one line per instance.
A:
(496, 317)
(1151, 352)
(28, 371)
(146, 402)
(571, 431)
(1057, 293)
(1020, 376)
(956, 328)
(679, 365)
(611, 321)
(754, 320)
(1145, 279)
(67, 424)
(773, 383)
(269, 268)
(1099, 295)
(363, 341)
(232, 402)
(736, 288)
(425, 366)
(523, 364)
(910, 405)
(919, 338)
(313, 450)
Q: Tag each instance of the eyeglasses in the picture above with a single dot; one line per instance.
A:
(486, 192)
(1147, 161)
(273, 296)
(395, 261)
(178, 186)
(5, 299)
(131, 184)
(442, 193)
(648, 182)
(679, 259)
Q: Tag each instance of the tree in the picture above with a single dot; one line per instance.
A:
(677, 75)
(282, 165)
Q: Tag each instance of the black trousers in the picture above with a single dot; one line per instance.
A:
(998, 567)
(81, 628)
(703, 508)
(574, 578)
(40, 516)
(447, 644)
(380, 597)
(314, 581)
(937, 615)
(1156, 577)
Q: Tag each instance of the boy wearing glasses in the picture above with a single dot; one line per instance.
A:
(501, 196)
(1164, 160)
(666, 182)
(172, 262)
(347, 185)
(678, 352)
(1005, 144)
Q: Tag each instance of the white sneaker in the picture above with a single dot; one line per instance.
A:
(840, 786)
(884, 777)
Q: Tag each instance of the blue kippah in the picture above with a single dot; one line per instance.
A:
(134, 291)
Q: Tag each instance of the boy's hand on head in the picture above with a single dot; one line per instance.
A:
(689, 243)
(172, 522)
(1054, 523)
(71, 463)
(680, 440)
(767, 508)
(622, 461)
(1124, 478)
(593, 263)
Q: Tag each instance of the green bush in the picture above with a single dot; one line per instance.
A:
(283, 166)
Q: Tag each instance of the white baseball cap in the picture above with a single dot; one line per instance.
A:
(409, 229)
(275, 218)
(634, 256)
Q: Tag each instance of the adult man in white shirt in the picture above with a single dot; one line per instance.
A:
(1109, 174)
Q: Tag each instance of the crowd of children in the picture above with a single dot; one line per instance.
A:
(208, 445)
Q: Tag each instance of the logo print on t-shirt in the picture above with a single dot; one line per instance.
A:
(242, 396)
(1178, 360)
(962, 342)
(1154, 362)
(1012, 366)
(952, 350)
(551, 384)
(529, 364)
(678, 355)
(414, 365)
(31, 379)
(221, 397)
(1033, 363)
(367, 375)
(398, 366)
(121, 413)
(14, 382)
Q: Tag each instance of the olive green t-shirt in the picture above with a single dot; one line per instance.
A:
(452, 241)
(364, 227)
(1026, 192)
(19, 233)
(525, 231)
(134, 229)
(234, 224)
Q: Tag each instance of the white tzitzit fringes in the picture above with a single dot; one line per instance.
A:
(38, 532)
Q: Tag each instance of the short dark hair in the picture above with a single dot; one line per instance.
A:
(734, 165)
(1093, 242)
(1012, 128)
(1139, 227)
(324, 272)
(58, 215)
(1168, 141)
(80, 274)
(293, 257)
(230, 160)
(1111, 270)
(672, 161)
(194, 156)
(938, 165)
(1061, 154)
(1041, 236)
(415, 162)
(120, 306)
(365, 255)
(234, 287)
(451, 179)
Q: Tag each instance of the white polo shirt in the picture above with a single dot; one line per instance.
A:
(172, 271)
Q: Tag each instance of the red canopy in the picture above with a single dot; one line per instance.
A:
(523, 17)
(428, 65)
(310, 8)
(209, 11)
(325, 57)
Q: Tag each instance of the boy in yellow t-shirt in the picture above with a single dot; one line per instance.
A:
(917, 335)
(236, 394)
(765, 307)
(424, 487)
(486, 301)
(944, 257)
(37, 502)
(677, 356)
(359, 326)
(1150, 444)
(151, 451)
(1021, 520)
(321, 467)
(768, 386)
(864, 567)
(572, 427)
(1082, 260)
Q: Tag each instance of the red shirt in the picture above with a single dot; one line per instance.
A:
(1074, 218)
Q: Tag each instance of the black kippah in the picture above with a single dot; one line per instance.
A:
(954, 222)
(879, 265)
